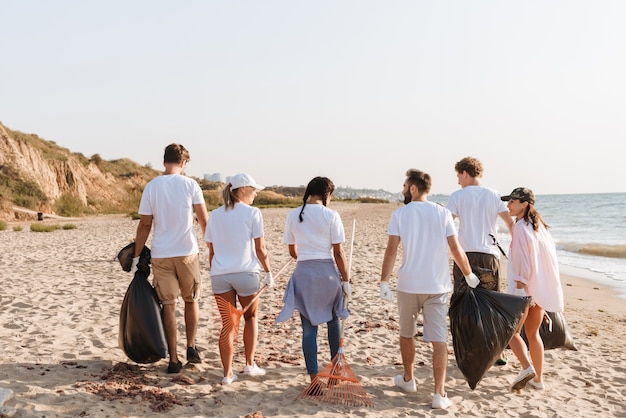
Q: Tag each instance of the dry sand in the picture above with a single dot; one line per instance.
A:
(59, 314)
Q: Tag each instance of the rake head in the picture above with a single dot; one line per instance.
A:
(231, 318)
(337, 383)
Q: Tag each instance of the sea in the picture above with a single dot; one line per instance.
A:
(589, 231)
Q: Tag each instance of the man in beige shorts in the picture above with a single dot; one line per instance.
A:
(426, 231)
(169, 202)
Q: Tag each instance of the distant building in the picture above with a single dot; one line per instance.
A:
(214, 177)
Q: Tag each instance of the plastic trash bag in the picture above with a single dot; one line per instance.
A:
(486, 277)
(555, 332)
(141, 334)
(482, 323)
(125, 256)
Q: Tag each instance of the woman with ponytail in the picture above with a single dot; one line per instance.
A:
(319, 285)
(237, 258)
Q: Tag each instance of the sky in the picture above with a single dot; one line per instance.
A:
(355, 90)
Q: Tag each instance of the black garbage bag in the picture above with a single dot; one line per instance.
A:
(486, 277)
(141, 334)
(554, 335)
(482, 323)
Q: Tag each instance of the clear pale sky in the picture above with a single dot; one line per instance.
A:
(358, 91)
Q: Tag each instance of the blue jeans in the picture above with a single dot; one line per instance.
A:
(309, 341)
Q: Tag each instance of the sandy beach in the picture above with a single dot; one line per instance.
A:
(59, 317)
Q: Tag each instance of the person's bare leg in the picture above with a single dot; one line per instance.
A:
(518, 346)
(169, 327)
(407, 350)
(227, 333)
(535, 344)
(250, 329)
(440, 366)
(192, 313)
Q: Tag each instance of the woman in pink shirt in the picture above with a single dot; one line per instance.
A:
(533, 270)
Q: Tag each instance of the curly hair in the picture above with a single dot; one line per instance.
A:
(471, 165)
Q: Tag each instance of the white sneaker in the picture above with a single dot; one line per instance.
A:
(409, 386)
(229, 380)
(441, 402)
(253, 370)
(536, 385)
(523, 378)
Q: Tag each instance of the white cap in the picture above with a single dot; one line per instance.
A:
(242, 180)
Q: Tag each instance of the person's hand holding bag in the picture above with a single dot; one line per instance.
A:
(133, 266)
(472, 280)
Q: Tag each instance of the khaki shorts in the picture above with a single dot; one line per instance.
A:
(177, 276)
(435, 312)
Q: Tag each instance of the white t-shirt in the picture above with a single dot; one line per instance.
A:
(423, 228)
(314, 236)
(477, 208)
(232, 233)
(170, 199)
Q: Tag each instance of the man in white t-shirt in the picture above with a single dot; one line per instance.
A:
(478, 208)
(426, 231)
(169, 202)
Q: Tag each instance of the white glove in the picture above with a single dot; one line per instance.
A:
(385, 292)
(472, 280)
(133, 265)
(347, 290)
(269, 279)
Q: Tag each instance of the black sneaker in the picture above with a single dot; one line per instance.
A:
(174, 367)
(192, 355)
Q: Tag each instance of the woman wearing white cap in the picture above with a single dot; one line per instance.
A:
(237, 251)
(533, 270)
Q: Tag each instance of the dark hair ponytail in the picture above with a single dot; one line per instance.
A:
(533, 217)
(319, 186)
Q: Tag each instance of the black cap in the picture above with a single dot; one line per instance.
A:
(522, 194)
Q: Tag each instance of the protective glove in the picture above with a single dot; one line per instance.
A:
(269, 279)
(347, 290)
(472, 280)
(133, 265)
(385, 292)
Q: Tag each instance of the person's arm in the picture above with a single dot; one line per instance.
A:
(143, 232)
(521, 249)
(202, 215)
(508, 221)
(390, 257)
(460, 258)
(340, 260)
(261, 253)
(293, 251)
(211, 253)
(389, 260)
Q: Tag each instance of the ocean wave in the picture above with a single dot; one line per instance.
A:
(598, 250)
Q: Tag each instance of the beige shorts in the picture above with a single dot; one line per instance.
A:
(177, 276)
(434, 310)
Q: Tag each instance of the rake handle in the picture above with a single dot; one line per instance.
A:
(256, 296)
